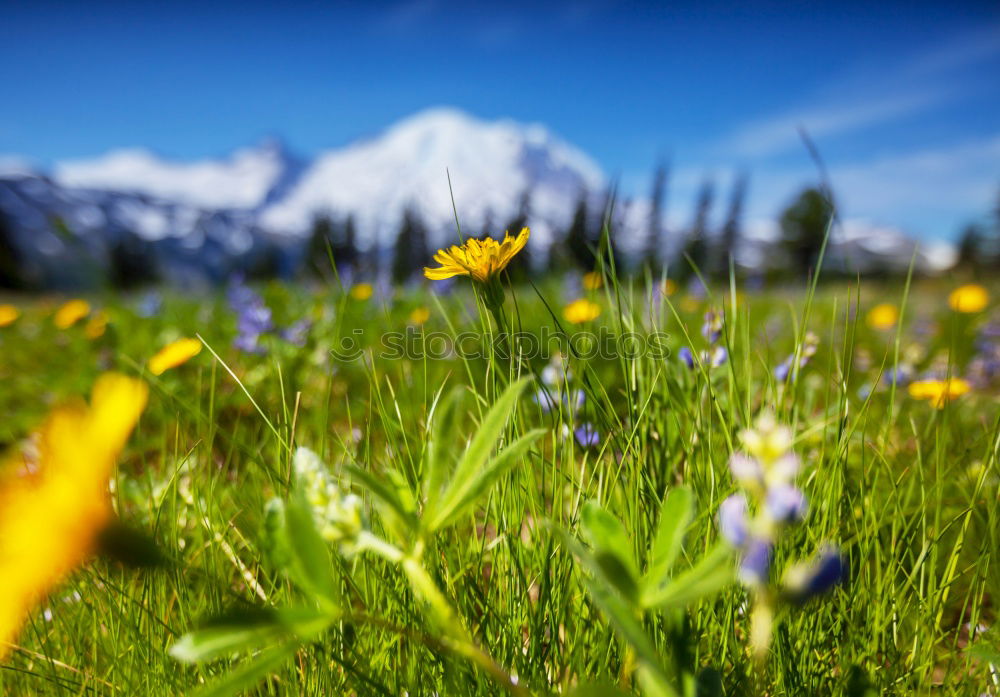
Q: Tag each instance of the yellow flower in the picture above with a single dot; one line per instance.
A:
(8, 315)
(71, 313)
(669, 287)
(420, 315)
(173, 354)
(362, 291)
(480, 259)
(592, 280)
(96, 325)
(690, 303)
(54, 497)
(939, 392)
(582, 310)
(969, 298)
(883, 316)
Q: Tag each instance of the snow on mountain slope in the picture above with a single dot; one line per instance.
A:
(243, 180)
(492, 165)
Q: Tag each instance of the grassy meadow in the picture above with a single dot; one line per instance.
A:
(485, 518)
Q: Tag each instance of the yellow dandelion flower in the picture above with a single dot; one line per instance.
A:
(669, 287)
(96, 325)
(939, 392)
(173, 354)
(362, 291)
(582, 310)
(480, 259)
(54, 499)
(592, 280)
(420, 315)
(882, 316)
(71, 313)
(8, 315)
(969, 298)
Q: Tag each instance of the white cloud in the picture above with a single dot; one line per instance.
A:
(929, 193)
(777, 134)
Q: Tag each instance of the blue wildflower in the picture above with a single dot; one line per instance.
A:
(587, 436)
(755, 566)
(686, 356)
(786, 503)
(826, 570)
(733, 523)
(711, 329)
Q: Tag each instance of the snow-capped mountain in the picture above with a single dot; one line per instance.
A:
(255, 208)
(244, 180)
(492, 165)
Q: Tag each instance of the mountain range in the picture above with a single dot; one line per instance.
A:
(201, 220)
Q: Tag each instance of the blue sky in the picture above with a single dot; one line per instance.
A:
(903, 100)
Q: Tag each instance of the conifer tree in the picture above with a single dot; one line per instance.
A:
(411, 251)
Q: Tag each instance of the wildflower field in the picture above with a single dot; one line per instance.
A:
(589, 485)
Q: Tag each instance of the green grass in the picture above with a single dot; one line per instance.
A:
(908, 491)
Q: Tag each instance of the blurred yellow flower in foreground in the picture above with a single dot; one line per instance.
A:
(582, 310)
(54, 497)
(480, 259)
(939, 392)
(420, 315)
(592, 280)
(96, 325)
(669, 287)
(883, 316)
(71, 313)
(969, 298)
(8, 315)
(173, 354)
(362, 291)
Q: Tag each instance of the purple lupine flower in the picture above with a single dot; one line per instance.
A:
(254, 318)
(900, 376)
(587, 436)
(746, 469)
(545, 399)
(297, 332)
(550, 399)
(249, 343)
(711, 329)
(755, 566)
(150, 304)
(782, 370)
(684, 353)
(733, 520)
(786, 503)
(716, 357)
(785, 467)
(826, 570)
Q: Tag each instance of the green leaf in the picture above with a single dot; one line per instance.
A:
(622, 618)
(474, 458)
(612, 548)
(483, 481)
(298, 549)
(245, 630)
(444, 419)
(384, 492)
(249, 674)
(675, 516)
(714, 572)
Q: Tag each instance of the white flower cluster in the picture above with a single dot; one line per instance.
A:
(338, 516)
